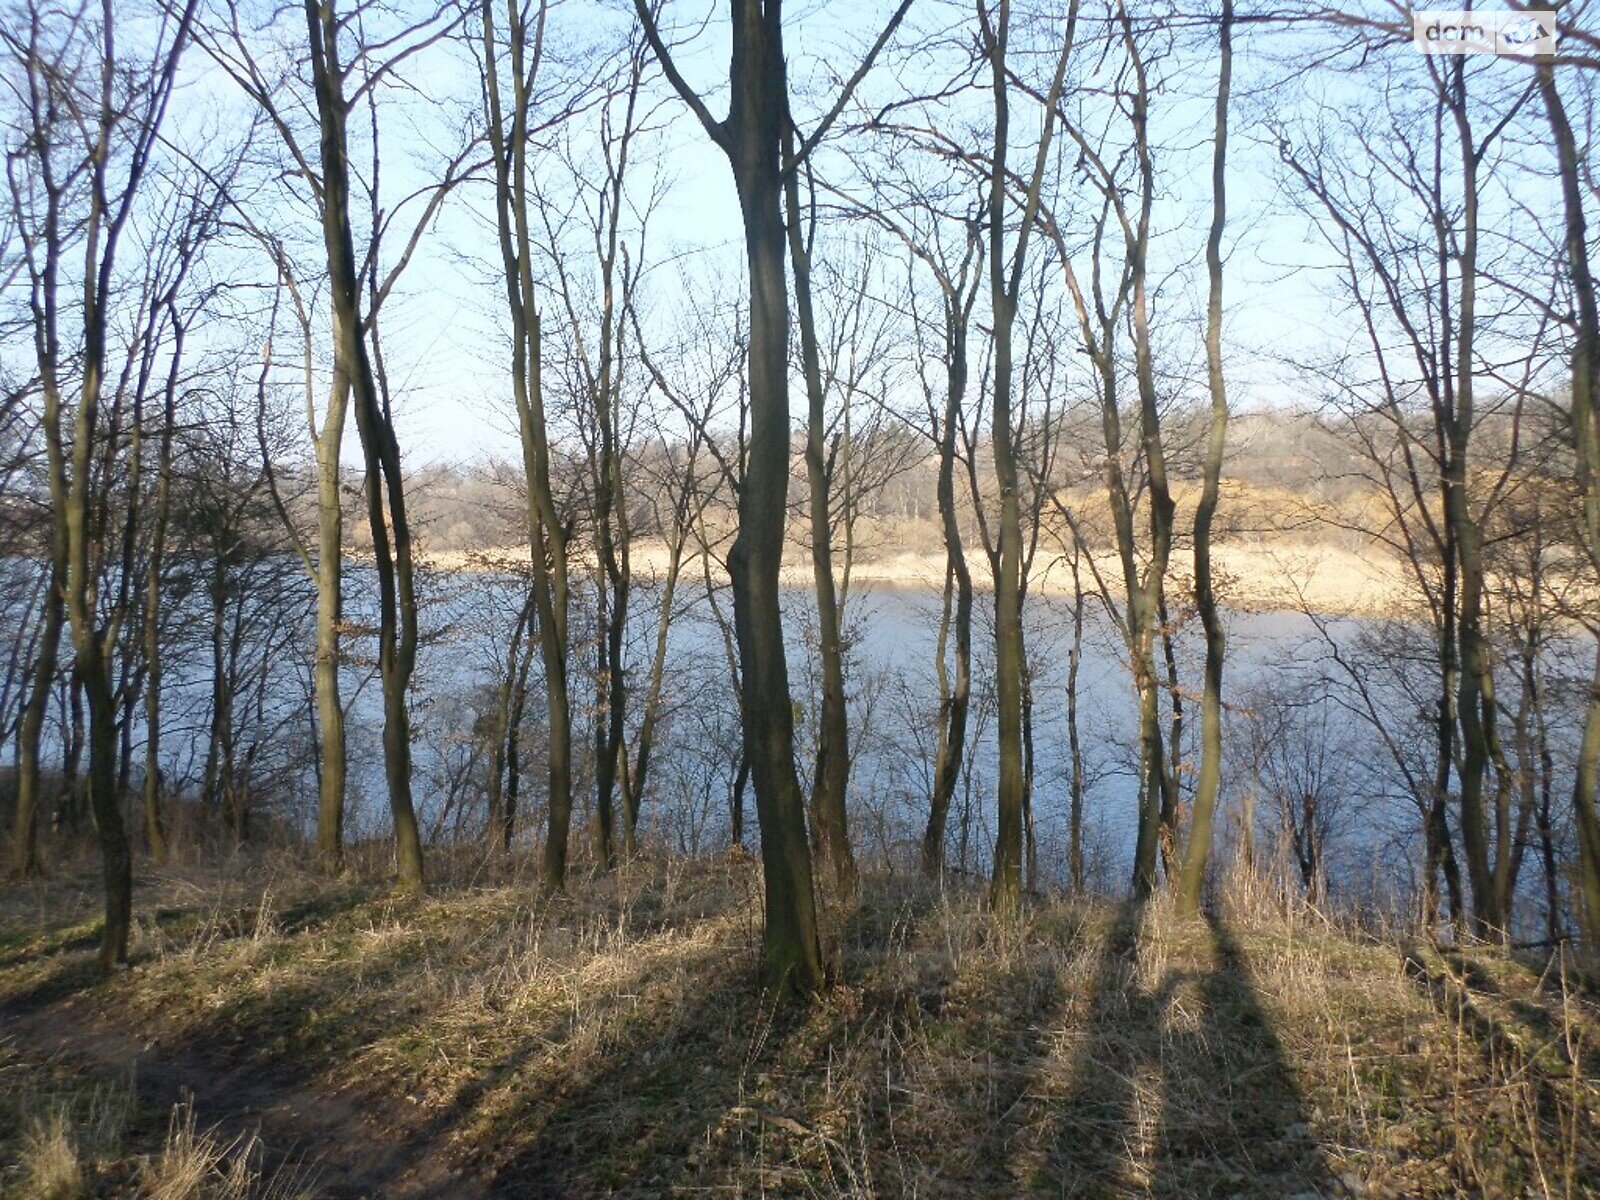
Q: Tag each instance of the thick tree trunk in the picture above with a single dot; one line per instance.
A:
(791, 958)
(1586, 436)
(330, 615)
(106, 806)
(71, 497)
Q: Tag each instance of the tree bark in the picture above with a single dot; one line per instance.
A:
(1005, 280)
(329, 622)
(831, 778)
(25, 860)
(547, 533)
(1197, 849)
(1585, 420)
(397, 612)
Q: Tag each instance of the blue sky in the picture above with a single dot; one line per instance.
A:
(441, 329)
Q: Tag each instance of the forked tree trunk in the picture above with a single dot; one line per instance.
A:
(1161, 504)
(1005, 280)
(547, 534)
(1197, 850)
(386, 510)
(831, 779)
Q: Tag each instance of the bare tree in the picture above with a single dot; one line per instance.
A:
(1006, 273)
(548, 533)
(612, 223)
(1197, 850)
(1585, 424)
(752, 136)
(92, 126)
(1416, 301)
(345, 68)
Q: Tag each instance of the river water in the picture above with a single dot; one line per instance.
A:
(1301, 695)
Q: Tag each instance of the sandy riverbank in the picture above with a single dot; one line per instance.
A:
(1254, 577)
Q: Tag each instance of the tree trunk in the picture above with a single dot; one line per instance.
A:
(1005, 279)
(397, 613)
(956, 615)
(791, 957)
(1475, 703)
(1586, 435)
(330, 615)
(25, 844)
(155, 835)
(1074, 743)
(752, 138)
(547, 534)
(831, 779)
(1197, 850)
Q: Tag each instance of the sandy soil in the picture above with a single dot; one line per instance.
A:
(1251, 577)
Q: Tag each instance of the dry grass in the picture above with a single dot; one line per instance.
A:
(610, 1043)
(66, 1137)
(65, 1132)
(199, 1165)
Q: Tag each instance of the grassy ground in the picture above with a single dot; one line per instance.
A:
(480, 1042)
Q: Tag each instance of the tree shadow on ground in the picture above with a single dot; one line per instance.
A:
(72, 972)
(1508, 1049)
(1182, 1090)
(1232, 1117)
(647, 1109)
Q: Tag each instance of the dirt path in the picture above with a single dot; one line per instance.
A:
(349, 1148)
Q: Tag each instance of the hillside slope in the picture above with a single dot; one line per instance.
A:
(478, 1042)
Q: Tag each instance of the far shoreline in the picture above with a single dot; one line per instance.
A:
(1255, 578)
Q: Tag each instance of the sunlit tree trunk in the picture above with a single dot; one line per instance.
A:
(1197, 850)
(831, 779)
(1005, 281)
(547, 532)
(386, 510)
